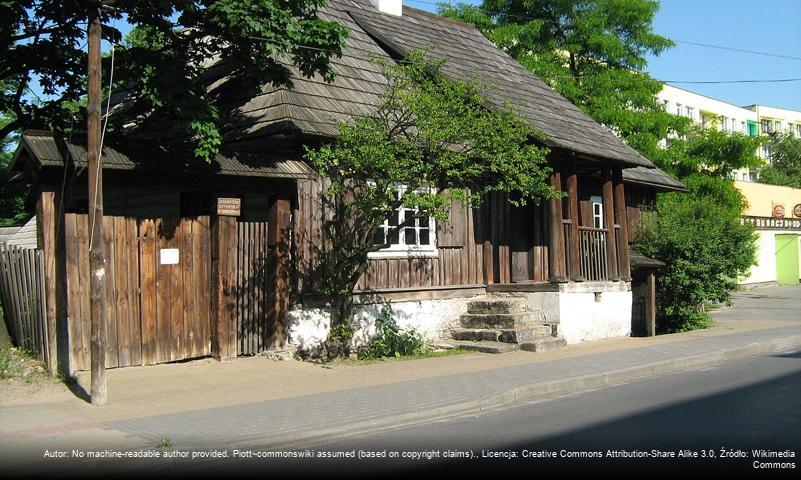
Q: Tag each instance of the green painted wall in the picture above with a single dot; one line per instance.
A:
(787, 259)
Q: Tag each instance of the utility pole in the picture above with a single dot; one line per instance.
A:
(97, 254)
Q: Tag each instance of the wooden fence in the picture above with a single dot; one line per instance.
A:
(251, 292)
(22, 291)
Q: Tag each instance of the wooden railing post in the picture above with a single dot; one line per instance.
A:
(624, 269)
(278, 228)
(556, 249)
(609, 218)
(223, 278)
(574, 247)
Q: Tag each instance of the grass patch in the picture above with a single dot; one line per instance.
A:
(419, 356)
(16, 364)
(165, 443)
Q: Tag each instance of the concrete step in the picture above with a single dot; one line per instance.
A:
(496, 305)
(523, 335)
(545, 344)
(476, 334)
(501, 320)
(506, 335)
(488, 347)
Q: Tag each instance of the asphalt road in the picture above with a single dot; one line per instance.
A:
(733, 409)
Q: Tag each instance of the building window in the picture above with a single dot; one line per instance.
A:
(666, 105)
(724, 124)
(597, 211)
(767, 126)
(798, 130)
(690, 112)
(415, 239)
(678, 109)
(778, 125)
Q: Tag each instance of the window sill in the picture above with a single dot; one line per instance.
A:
(410, 253)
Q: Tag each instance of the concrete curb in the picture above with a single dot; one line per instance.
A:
(528, 394)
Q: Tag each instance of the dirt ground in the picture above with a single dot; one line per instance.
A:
(24, 379)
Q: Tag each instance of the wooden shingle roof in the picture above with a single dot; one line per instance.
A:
(315, 107)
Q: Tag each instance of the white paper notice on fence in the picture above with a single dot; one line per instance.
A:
(169, 256)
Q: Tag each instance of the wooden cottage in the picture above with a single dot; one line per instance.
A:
(218, 259)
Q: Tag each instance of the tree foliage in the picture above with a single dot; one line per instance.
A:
(785, 162)
(430, 142)
(705, 249)
(166, 63)
(592, 52)
(698, 234)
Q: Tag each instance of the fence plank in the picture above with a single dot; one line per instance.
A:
(112, 352)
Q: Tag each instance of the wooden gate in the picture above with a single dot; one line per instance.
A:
(255, 331)
(158, 283)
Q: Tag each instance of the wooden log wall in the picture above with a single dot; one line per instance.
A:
(457, 262)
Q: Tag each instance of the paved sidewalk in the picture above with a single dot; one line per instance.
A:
(258, 402)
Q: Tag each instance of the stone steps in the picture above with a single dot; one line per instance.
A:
(518, 335)
(501, 320)
(544, 344)
(500, 325)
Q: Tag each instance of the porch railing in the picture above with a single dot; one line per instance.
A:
(592, 242)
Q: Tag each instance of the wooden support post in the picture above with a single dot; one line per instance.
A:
(48, 223)
(97, 253)
(278, 228)
(574, 245)
(650, 305)
(556, 249)
(223, 277)
(486, 246)
(609, 218)
(624, 269)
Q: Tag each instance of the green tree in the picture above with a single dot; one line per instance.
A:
(785, 161)
(166, 64)
(705, 249)
(430, 142)
(698, 234)
(13, 195)
(592, 52)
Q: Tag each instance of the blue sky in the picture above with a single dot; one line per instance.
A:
(772, 26)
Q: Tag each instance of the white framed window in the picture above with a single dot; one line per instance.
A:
(690, 112)
(597, 211)
(417, 239)
(666, 105)
(678, 109)
(778, 125)
(724, 124)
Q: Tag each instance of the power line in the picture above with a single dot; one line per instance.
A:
(686, 42)
(720, 47)
(778, 80)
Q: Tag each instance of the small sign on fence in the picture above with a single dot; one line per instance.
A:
(169, 256)
(230, 207)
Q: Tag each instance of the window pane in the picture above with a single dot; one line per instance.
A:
(410, 236)
(393, 220)
(424, 222)
(378, 239)
(424, 237)
(393, 237)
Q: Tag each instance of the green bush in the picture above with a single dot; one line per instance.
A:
(391, 341)
(705, 249)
